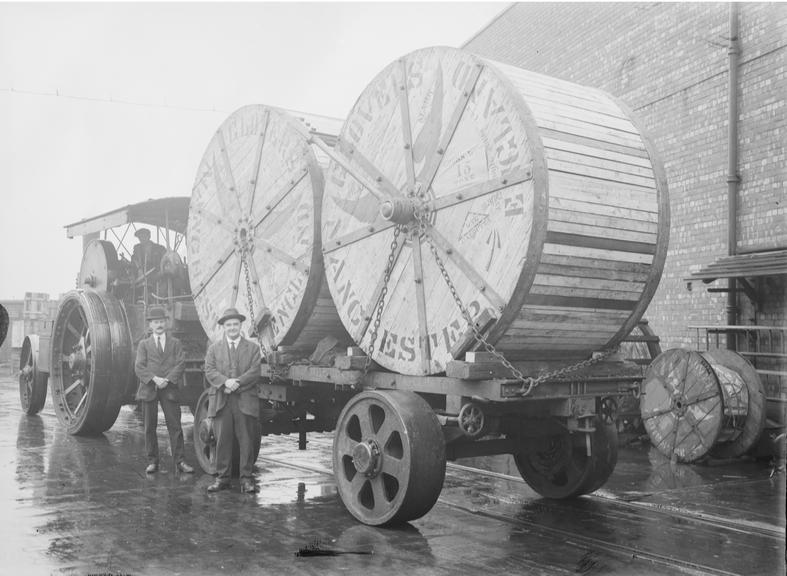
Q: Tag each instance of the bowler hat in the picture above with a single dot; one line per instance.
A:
(142, 232)
(156, 313)
(230, 313)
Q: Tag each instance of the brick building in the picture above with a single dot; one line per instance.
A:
(31, 315)
(669, 63)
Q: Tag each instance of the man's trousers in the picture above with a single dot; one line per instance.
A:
(172, 417)
(231, 423)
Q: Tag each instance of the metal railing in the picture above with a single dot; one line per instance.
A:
(764, 346)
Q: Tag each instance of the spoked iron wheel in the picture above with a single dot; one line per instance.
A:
(32, 382)
(81, 363)
(388, 457)
(205, 440)
(558, 465)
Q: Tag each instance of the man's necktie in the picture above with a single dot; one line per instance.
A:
(158, 344)
(233, 360)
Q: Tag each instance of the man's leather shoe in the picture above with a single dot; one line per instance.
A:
(218, 485)
(185, 468)
(152, 468)
(247, 487)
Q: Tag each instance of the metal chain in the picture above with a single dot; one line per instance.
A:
(274, 375)
(528, 383)
(378, 311)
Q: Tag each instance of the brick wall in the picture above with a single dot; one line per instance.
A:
(668, 62)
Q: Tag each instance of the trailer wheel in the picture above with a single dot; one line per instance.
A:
(205, 442)
(32, 382)
(388, 457)
(81, 363)
(557, 465)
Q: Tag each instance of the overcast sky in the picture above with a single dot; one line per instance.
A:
(184, 67)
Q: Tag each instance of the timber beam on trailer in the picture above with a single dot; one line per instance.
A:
(300, 381)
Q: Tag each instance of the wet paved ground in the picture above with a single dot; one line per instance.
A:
(83, 506)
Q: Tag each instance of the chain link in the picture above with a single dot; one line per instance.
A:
(528, 383)
(378, 311)
(274, 373)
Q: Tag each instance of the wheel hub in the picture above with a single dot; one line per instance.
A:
(244, 234)
(367, 458)
(679, 405)
(77, 360)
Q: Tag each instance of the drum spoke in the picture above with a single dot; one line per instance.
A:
(257, 162)
(255, 281)
(379, 225)
(466, 269)
(654, 413)
(374, 301)
(407, 136)
(214, 219)
(433, 164)
(228, 167)
(282, 256)
(358, 175)
(220, 264)
(420, 299)
(350, 151)
(273, 204)
(479, 190)
(236, 282)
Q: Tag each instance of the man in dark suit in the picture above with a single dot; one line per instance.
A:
(159, 367)
(232, 367)
(147, 256)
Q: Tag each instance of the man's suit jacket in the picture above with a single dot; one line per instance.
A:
(150, 260)
(217, 370)
(150, 362)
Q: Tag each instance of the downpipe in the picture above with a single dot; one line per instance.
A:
(733, 51)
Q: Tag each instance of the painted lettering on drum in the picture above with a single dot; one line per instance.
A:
(242, 125)
(346, 298)
(374, 100)
(402, 347)
(287, 303)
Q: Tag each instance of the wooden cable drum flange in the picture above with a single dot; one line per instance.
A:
(543, 198)
(699, 403)
(257, 198)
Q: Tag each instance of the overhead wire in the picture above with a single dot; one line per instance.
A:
(110, 100)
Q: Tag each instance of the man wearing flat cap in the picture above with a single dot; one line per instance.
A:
(232, 368)
(159, 367)
(147, 255)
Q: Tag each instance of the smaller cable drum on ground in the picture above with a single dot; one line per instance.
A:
(699, 403)
(253, 229)
(541, 200)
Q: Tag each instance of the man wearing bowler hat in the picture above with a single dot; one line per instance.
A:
(159, 367)
(232, 367)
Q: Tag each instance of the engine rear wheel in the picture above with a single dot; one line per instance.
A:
(81, 363)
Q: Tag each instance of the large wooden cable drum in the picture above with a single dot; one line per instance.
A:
(543, 198)
(253, 230)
